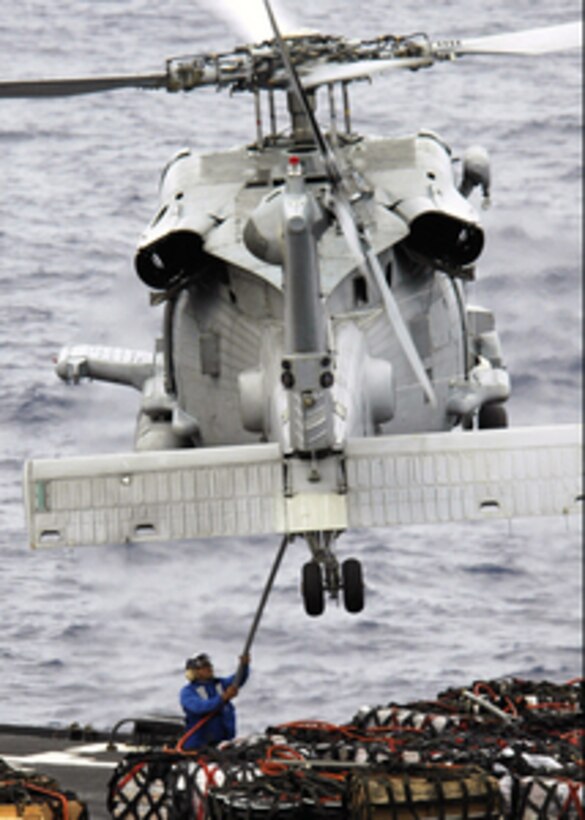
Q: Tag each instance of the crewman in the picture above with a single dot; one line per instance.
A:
(207, 702)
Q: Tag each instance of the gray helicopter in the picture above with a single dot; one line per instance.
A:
(319, 367)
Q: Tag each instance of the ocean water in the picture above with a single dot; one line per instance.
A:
(95, 635)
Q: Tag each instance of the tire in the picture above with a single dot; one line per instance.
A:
(467, 422)
(353, 585)
(312, 589)
(492, 417)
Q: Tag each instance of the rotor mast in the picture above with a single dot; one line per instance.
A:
(301, 131)
(301, 134)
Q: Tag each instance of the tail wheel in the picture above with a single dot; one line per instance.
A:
(312, 588)
(353, 585)
(492, 417)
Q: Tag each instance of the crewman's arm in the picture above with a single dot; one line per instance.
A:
(228, 683)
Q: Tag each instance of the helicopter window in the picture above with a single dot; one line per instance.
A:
(161, 416)
(159, 215)
(313, 179)
(360, 291)
(429, 372)
(209, 354)
(257, 183)
(260, 180)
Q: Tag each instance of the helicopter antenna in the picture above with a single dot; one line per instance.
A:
(332, 113)
(258, 118)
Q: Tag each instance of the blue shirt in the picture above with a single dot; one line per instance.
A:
(201, 698)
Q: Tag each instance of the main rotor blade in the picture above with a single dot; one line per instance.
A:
(345, 72)
(530, 42)
(80, 85)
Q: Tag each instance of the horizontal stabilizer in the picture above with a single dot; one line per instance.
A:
(162, 496)
(464, 476)
(252, 490)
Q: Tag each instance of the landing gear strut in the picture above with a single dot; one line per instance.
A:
(323, 574)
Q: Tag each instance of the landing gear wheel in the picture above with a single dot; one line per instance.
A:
(353, 585)
(312, 588)
(492, 417)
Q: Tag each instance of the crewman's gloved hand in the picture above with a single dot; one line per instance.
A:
(230, 692)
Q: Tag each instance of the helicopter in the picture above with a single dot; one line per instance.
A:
(317, 350)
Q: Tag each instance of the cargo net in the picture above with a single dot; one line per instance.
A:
(506, 749)
(37, 796)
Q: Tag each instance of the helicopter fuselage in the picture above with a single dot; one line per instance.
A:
(216, 247)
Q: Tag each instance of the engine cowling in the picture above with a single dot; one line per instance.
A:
(441, 237)
(166, 260)
(444, 228)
